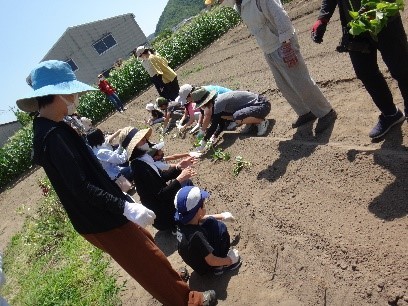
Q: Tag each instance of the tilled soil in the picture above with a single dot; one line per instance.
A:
(321, 219)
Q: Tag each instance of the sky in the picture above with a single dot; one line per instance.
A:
(30, 28)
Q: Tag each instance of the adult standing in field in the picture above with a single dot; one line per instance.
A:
(270, 24)
(110, 92)
(362, 49)
(95, 205)
(163, 77)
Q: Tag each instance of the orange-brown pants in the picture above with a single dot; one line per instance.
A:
(133, 248)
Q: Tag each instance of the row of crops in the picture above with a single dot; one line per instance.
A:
(129, 80)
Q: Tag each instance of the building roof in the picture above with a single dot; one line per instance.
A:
(88, 24)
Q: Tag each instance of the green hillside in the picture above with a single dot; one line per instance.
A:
(177, 10)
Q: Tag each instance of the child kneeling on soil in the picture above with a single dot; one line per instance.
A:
(204, 241)
(156, 116)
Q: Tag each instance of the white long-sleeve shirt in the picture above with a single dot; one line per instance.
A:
(271, 27)
(110, 159)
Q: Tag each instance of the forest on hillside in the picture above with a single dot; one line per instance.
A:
(176, 11)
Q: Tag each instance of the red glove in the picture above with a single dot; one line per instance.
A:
(318, 30)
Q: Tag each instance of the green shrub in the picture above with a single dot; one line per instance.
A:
(22, 117)
(15, 155)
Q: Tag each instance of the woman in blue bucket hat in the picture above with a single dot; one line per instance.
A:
(97, 208)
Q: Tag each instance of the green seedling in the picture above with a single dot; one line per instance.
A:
(240, 164)
(197, 141)
(373, 16)
(219, 154)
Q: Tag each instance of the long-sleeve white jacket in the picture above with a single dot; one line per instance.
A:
(270, 24)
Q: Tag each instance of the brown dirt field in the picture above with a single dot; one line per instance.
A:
(321, 220)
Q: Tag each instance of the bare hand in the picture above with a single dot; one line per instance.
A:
(186, 174)
(187, 162)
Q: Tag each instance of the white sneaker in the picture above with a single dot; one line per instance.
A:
(246, 128)
(262, 127)
(232, 126)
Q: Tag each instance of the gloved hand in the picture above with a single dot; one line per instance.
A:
(195, 154)
(288, 54)
(179, 124)
(201, 147)
(195, 128)
(318, 30)
(363, 9)
(233, 255)
(139, 214)
(120, 149)
(212, 139)
(227, 216)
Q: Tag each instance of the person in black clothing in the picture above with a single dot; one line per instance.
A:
(95, 205)
(157, 188)
(204, 241)
(362, 49)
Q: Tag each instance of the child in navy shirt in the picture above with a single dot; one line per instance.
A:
(204, 241)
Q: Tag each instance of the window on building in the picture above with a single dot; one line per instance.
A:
(70, 62)
(104, 44)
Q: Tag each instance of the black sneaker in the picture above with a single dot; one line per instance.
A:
(221, 270)
(209, 298)
(385, 123)
(326, 121)
(303, 119)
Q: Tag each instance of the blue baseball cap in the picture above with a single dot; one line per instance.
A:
(187, 203)
(51, 78)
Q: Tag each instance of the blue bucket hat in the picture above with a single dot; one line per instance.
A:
(51, 78)
(187, 203)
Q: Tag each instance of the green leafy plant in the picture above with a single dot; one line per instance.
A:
(240, 164)
(373, 16)
(22, 117)
(15, 155)
(220, 155)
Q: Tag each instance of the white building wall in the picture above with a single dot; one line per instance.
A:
(77, 44)
(7, 130)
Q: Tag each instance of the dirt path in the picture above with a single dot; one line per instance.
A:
(322, 220)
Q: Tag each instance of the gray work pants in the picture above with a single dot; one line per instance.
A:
(296, 84)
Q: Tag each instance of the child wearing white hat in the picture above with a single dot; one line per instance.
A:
(156, 116)
(204, 241)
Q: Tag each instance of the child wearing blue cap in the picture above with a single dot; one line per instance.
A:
(204, 241)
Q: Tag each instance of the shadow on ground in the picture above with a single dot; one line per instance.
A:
(302, 144)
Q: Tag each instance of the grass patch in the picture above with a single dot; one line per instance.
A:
(48, 263)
